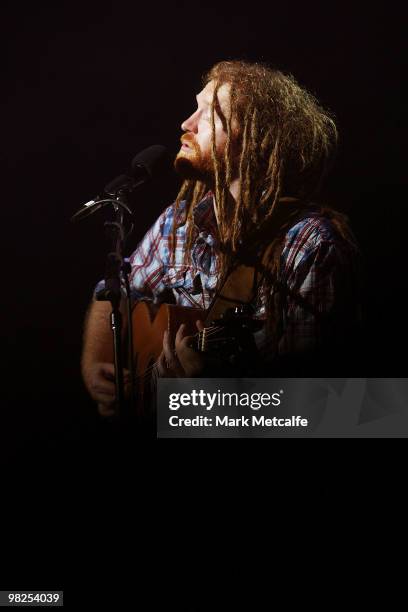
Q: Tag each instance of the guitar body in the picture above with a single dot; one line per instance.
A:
(230, 338)
(149, 324)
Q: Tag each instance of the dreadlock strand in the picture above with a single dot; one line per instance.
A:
(184, 191)
(219, 198)
(198, 193)
(272, 173)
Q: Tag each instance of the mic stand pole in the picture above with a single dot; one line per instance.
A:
(112, 293)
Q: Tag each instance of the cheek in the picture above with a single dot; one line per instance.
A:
(204, 138)
(221, 140)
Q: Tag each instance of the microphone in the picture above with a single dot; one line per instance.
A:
(147, 165)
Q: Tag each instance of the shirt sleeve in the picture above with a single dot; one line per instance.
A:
(148, 261)
(319, 298)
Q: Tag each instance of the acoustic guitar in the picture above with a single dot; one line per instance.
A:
(230, 338)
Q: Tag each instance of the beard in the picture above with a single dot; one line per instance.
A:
(192, 163)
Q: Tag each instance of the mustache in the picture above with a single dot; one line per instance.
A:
(189, 140)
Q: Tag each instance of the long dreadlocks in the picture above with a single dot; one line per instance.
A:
(286, 145)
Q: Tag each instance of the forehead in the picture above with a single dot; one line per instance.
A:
(206, 95)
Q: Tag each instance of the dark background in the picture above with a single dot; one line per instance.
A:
(86, 87)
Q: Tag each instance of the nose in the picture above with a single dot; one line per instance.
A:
(190, 124)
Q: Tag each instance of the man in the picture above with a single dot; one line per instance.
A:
(254, 154)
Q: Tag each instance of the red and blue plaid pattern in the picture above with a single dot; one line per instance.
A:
(316, 266)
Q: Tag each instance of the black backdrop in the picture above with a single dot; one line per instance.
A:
(83, 89)
(86, 87)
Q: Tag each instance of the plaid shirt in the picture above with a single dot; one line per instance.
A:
(315, 265)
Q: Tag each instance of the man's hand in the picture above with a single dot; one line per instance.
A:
(180, 360)
(99, 379)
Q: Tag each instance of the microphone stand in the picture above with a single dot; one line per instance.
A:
(144, 167)
(114, 267)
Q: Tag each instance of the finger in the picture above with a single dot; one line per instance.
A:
(108, 399)
(104, 398)
(105, 410)
(162, 366)
(172, 362)
(200, 325)
(181, 332)
(108, 371)
(182, 339)
(109, 368)
(187, 342)
(103, 394)
(103, 386)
